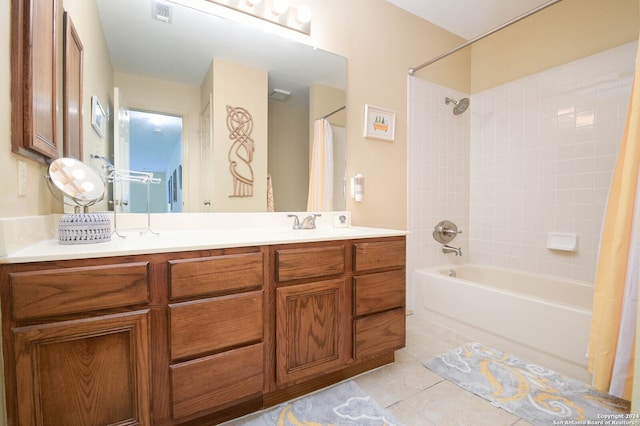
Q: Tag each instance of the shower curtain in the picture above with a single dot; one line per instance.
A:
(613, 324)
(321, 175)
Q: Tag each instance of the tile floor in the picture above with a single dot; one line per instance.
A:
(418, 397)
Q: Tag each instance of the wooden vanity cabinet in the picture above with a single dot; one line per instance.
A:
(76, 342)
(198, 337)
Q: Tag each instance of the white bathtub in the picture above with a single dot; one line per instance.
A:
(538, 318)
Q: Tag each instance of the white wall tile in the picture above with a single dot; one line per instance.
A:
(532, 156)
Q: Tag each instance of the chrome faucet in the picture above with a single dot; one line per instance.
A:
(308, 222)
(448, 249)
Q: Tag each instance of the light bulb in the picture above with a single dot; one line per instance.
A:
(304, 14)
(280, 6)
(79, 174)
(88, 186)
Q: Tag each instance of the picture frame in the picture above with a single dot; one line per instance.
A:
(98, 117)
(379, 123)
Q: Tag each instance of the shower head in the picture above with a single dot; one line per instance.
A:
(460, 106)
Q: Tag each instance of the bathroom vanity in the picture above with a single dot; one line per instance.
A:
(195, 333)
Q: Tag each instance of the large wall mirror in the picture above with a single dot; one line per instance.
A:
(176, 67)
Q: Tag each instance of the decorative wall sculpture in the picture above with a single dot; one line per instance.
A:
(240, 125)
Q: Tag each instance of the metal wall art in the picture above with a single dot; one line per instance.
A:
(240, 126)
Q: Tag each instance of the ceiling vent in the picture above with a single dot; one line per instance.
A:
(279, 95)
(161, 11)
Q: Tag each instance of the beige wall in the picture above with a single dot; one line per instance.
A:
(564, 32)
(288, 156)
(380, 42)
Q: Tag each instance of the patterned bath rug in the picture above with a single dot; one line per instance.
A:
(531, 392)
(344, 404)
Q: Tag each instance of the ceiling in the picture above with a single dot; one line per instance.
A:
(468, 18)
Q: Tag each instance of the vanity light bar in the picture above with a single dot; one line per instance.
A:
(274, 11)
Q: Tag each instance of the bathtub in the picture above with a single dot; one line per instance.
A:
(538, 318)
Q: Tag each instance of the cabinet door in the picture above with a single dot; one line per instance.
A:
(93, 371)
(312, 329)
(33, 77)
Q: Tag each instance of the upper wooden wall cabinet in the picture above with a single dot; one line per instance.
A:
(33, 78)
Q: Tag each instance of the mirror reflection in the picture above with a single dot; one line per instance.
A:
(193, 69)
(76, 181)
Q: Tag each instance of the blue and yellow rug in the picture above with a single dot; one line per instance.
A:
(344, 404)
(531, 392)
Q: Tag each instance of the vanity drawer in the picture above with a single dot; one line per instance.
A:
(211, 382)
(378, 255)
(299, 263)
(379, 333)
(70, 290)
(379, 292)
(200, 276)
(214, 324)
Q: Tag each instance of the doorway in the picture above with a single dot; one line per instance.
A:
(155, 145)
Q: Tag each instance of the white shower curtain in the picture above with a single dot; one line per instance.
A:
(321, 174)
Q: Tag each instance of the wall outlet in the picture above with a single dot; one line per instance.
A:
(22, 178)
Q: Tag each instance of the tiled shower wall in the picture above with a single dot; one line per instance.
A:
(529, 157)
(438, 170)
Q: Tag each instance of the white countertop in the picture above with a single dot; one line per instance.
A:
(196, 236)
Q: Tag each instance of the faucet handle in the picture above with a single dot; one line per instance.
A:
(296, 222)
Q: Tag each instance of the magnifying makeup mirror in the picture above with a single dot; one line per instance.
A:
(76, 181)
(70, 179)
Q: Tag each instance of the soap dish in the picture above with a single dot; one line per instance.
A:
(84, 228)
(563, 241)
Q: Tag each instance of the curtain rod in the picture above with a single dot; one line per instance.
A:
(333, 112)
(480, 37)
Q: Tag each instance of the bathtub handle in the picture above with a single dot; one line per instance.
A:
(445, 231)
(451, 231)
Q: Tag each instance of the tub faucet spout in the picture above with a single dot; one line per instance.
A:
(448, 249)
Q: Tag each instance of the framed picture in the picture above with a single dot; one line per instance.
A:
(98, 118)
(379, 123)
